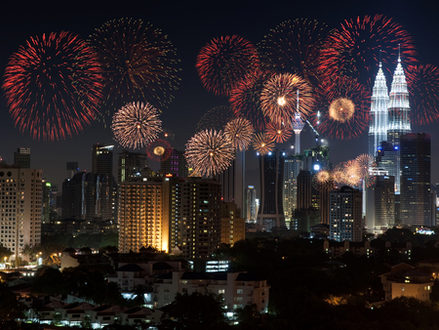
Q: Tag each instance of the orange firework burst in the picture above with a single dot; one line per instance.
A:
(136, 125)
(240, 132)
(323, 176)
(277, 132)
(341, 109)
(209, 153)
(279, 98)
(262, 144)
(323, 180)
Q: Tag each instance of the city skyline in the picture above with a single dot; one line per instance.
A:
(184, 107)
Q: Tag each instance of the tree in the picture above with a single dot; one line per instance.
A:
(195, 311)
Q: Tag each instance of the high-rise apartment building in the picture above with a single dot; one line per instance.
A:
(22, 158)
(20, 208)
(141, 216)
(232, 226)
(304, 190)
(271, 212)
(345, 218)
(193, 211)
(416, 196)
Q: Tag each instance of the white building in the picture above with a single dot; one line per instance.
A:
(20, 208)
(237, 289)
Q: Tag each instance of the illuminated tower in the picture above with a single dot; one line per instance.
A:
(297, 125)
(399, 110)
(378, 113)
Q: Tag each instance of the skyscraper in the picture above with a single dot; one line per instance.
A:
(384, 201)
(345, 220)
(378, 122)
(251, 205)
(292, 166)
(232, 225)
(271, 175)
(20, 208)
(102, 160)
(399, 114)
(132, 166)
(22, 158)
(304, 190)
(416, 197)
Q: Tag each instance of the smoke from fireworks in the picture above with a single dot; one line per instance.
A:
(240, 132)
(278, 133)
(223, 62)
(344, 109)
(262, 144)
(136, 125)
(245, 98)
(209, 152)
(356, 47)
(139, 62)
(423, 85)
(53, 86)
(216, 118)
(294, 46)
(279, 98)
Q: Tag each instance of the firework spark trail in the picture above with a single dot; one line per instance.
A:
(53, 86)
(240, 132)
(209, 153)
(136, 125)
(223, 62)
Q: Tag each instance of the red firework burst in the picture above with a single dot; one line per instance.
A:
(278, 133)
(356, 47)
(245, 98)
(159, 150)
(294, 46)
(346, 123)
(423, 84)
(53, 86)
(223, 62)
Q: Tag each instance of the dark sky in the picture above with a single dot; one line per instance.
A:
(190, 25)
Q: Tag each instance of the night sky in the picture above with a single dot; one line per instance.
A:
(189, 26)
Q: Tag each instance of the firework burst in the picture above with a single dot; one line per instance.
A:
(262, 144)
(278, 133)
(294, 46)
(223, 62)
(423, 85)
(216, 118)
(53, 86)
(356, 47)
(344, 109)
(139, 62)
(240, 132)
(209, 152)
(245, 98)
(159, 150)
(136, 125)
(279, 98)
(323, 180)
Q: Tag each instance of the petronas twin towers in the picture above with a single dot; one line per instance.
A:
(389, 113)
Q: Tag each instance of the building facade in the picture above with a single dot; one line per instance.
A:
(416, 196)
(345, 219)
(20, 208)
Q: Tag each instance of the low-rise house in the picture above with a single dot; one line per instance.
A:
(236, 289)
(407, 281)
